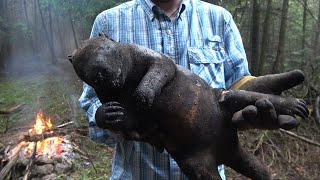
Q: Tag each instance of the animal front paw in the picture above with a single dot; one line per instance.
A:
(111, 115)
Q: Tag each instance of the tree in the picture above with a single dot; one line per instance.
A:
(255, 37)
(265, 36)
(278, 63)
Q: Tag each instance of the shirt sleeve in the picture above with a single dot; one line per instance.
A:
(237, 65)
(89, 101)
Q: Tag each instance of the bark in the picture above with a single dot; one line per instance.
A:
(255, 36)
(278, 63)
(265, 36)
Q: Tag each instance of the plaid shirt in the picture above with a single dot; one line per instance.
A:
(203, 37)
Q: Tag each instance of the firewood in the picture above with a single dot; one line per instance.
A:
(12, 161)
(64, 125)
(6, 169)
(54, 128)
(40, 137)
(11, 110)
(29, 167)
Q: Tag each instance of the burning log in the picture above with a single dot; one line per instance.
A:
(45, 152)
(43, 136)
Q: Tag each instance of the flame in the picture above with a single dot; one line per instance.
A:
(41, 124)
(47, 147)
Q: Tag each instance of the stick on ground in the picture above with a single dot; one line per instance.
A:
(11, 110)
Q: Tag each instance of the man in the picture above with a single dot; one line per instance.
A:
(197, 35)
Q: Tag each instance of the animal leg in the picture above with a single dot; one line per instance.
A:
(235, 100)
(247, 164)
(199, 166)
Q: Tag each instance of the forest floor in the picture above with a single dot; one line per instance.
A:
(56, 91)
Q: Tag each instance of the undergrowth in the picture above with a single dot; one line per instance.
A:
(57, 96)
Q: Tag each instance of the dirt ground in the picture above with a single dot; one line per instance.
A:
(57, 90)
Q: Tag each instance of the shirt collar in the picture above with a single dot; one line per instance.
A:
(150, 8)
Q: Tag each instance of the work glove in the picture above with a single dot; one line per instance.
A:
(263, 115)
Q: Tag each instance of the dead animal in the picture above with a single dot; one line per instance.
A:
(155, 101)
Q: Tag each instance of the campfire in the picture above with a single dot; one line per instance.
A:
(44, 152)
(36, 137)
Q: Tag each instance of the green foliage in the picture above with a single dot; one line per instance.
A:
(9, 31)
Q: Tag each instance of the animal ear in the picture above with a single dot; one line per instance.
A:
(70, 58)
(102, 34)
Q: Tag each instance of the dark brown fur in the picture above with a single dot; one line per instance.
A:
(171, 107)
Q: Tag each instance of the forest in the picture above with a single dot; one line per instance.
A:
(36, 37)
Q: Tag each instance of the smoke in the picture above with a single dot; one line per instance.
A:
(37, 40)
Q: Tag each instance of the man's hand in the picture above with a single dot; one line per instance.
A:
(263, 114)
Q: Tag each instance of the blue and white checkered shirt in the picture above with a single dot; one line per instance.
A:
(203, 37)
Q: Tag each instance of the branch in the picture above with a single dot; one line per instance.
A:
(4, 172)
(300, 138)
(11, 110)
(30, 165)
(308, 9)
(64, 125)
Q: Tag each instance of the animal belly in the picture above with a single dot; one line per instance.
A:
(187, 111)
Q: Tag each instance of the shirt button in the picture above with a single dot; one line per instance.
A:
(168, 31)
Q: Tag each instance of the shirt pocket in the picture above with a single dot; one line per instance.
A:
(207, 62)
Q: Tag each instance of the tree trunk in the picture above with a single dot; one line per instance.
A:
(304, 23)
(316, 38)
(73, 31)
(51, 47)
(278, 63)
(60, 36)
(265, 36)
(303, 38)
(30, 41)
(54, 59)
(5, 46)
(255, 36)
(35, 27)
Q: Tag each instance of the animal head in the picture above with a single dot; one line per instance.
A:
(98, 62)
